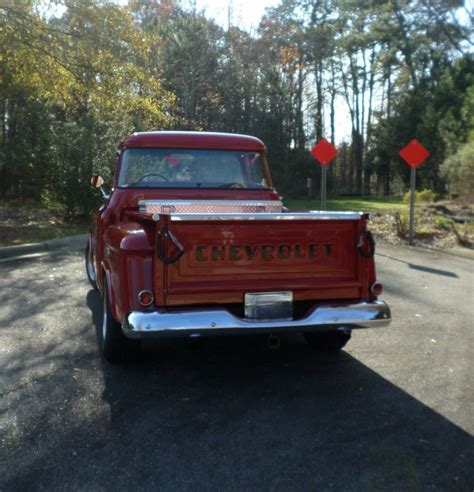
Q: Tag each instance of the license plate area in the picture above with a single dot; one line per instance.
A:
(268, 306)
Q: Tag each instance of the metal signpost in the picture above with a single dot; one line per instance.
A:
(324, 152)
(414, 154)
(324, 180)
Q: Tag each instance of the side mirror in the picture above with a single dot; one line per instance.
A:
(97, 181)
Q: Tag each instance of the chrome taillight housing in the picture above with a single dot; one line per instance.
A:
(145, 298)
(376, 288)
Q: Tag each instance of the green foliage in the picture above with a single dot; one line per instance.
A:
(458, 170)
(423, 196)
(438, 112)
(442, 223)
(422, 228)
(71, 87)
(401, 224)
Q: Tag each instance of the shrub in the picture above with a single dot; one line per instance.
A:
(423, 196)
(401, 225)
(442, 223)
(458, 169)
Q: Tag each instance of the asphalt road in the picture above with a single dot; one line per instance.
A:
(395, 411)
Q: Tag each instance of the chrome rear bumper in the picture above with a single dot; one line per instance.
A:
(207, 322)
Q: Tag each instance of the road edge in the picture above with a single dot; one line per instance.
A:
(64, 243)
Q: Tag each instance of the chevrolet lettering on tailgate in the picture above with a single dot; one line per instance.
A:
(249, 252)
(194, 241)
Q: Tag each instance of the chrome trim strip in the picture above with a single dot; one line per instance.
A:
(268, 216)
(184, 323)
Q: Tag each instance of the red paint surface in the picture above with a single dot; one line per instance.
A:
(317, 277)
(324, 152)
(414, 154)
(194, 140)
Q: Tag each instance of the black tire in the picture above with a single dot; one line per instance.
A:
(90, 266)
(113, 344)
(328, 342)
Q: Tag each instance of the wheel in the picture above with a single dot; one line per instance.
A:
(328, 342)
(114, 345)
(90, 266)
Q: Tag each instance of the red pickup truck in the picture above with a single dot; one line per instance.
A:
(193, 240)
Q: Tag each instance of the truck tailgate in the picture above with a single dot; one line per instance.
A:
(216, 259)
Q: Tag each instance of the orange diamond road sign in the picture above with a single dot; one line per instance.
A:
(414, 154)
(324, 152)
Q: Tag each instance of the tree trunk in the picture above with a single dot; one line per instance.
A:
(333, 98)
(4, 146)
(367, 169)
(301, 140)
(319, 100)
(405, 44)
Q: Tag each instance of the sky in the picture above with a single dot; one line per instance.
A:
(244, 13)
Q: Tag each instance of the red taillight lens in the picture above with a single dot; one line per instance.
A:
(145, 297)
(376, 289)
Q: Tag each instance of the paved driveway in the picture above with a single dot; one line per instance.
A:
(394, 411)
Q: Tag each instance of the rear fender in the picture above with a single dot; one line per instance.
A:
(136, 258)
(127, 267)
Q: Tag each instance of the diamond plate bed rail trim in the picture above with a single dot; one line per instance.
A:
(209, 206)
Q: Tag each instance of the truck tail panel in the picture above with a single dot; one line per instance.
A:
(206, 259)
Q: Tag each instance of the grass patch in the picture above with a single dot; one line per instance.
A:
(372, 204)
(24, 224)
(38, 234)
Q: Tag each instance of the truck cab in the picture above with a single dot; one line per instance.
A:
(194, 241)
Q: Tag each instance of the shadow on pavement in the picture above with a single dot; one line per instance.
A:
(421, 268)
(231, 414)
(435, 271)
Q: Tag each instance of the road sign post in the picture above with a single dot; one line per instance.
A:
(324, 152)
(412, 204)
(324, 178)
(414, 154)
